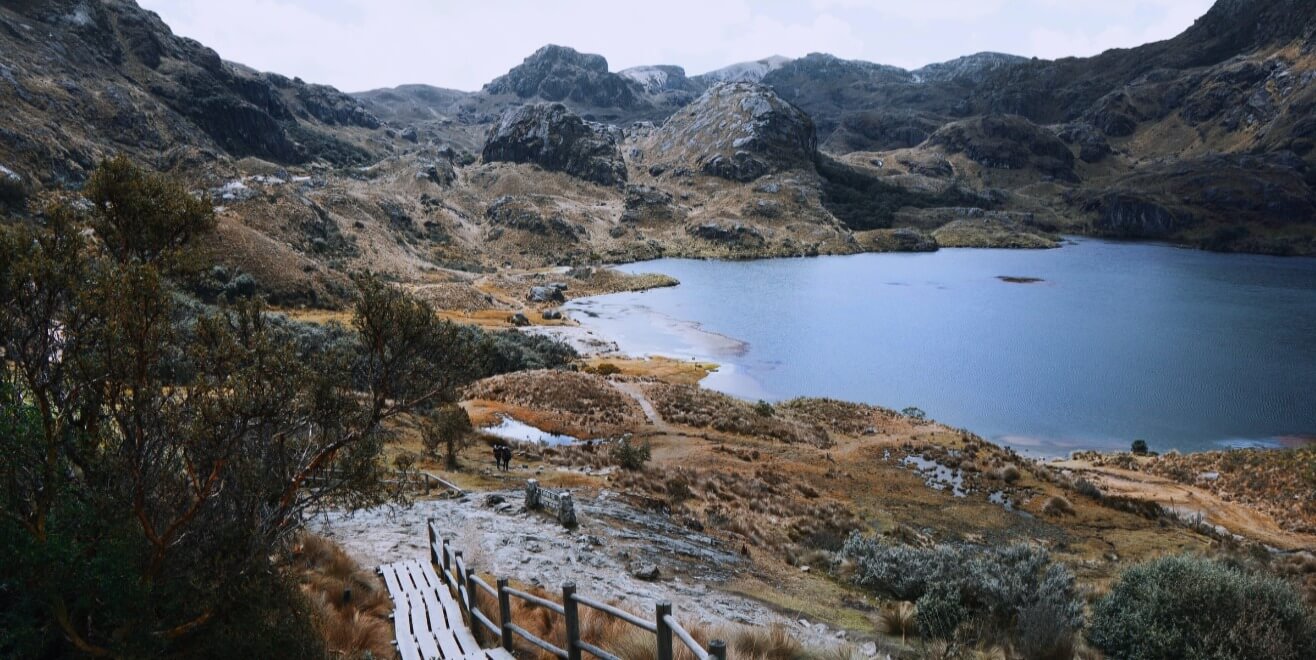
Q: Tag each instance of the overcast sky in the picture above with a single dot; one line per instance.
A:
(362, 44)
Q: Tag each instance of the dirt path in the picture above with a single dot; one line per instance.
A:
(633, 391)
(1189, 502)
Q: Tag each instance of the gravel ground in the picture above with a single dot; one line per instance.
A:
(613, 542)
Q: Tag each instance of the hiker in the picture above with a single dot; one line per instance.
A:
(507, 458)
(498, 456)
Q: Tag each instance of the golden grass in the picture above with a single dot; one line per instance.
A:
(586, 404)
(668, 370)
(349, 605)
(898, 619)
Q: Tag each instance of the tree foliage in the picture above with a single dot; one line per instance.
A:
(152, 461)
(447, 429)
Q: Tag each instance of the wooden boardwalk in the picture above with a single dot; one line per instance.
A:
(427, 620)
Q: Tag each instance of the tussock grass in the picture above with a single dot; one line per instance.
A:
(898, 619)
(585, 401)
(1057, 506)
(349, 605)
(693, 406)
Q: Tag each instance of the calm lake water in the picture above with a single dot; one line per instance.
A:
(1187, 349)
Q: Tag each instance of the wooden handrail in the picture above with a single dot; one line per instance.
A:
(461, 579)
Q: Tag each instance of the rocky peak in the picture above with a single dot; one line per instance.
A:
(558, 73)
(817, 67)
(970, 67)
(737, 131)
(553, 137)
(744, 71)
(661, 78)
(1237, 25)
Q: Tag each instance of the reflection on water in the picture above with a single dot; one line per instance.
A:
(511, 429)
(1186, 349)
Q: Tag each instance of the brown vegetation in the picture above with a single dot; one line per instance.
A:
(350, 606)
(584, 401)
(693, 406)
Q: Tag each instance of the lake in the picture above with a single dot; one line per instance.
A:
(1116, 341)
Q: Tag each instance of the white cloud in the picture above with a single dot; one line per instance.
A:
(359, 44)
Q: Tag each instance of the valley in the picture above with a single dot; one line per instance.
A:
(852, 360)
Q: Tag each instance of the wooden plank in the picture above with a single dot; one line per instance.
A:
(498, 654)
(402, 621)
(405, 577)
(407, 648)
(428, 648)
(432, 576)
(442, 628)
(419, 624)
(418, 576)
(456, 622)
(391, 579)
(447, 643)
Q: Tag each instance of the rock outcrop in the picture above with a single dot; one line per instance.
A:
(553, 137)
(558, 73)
(736, 131)
(1007, 142)
(127, 84)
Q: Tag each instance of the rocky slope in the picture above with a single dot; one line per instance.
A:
(1205, 139)
(81, 79)
(736, 131)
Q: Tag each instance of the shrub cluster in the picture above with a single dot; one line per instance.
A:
(516, 351)
(972, 593)
(1189, 607)
(631, 455)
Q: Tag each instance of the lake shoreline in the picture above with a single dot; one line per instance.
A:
(629, 325)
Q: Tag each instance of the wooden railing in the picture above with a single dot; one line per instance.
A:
(464, 583)
(420, 480)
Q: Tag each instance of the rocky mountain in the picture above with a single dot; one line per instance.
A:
(81, 79)
(1206, 139)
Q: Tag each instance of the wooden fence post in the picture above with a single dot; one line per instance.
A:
(429, 528)
(566, 510)
(572, 616)
(471, 605)
(664, 631)
(717, 649)
(505, 613)
(532, 494)
(447, 561)
(457, 577)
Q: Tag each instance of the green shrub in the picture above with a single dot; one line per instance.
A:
(1014, 590)
(505, 352)
(13, 194)
(914, 413)
(1190, 607)
(764, 409)
(1139, 447)
(631, 455)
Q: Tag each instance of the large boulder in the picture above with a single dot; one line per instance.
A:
(736, 131)
(553, 137)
